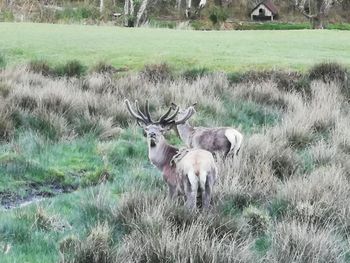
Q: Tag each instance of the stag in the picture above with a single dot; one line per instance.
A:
(224, 140)
(189, 172)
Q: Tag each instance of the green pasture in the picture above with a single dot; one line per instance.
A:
(132, 48)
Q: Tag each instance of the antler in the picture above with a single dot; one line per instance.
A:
(189, 114)
(140, 117)
(145, 117)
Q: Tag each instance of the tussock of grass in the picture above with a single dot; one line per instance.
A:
(103, 67)
(44, 221)
(157, 72)
(299, 242)
(2, 61)
(95, 248)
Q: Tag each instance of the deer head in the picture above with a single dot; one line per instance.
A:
(154, 130)
(183, 112)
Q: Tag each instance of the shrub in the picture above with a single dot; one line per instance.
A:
(288, 81)
(82, 12)
(157, 72)
(217, 15)
(40, 67)
(102, 67)
(2, 61)
(193, 74)
(328, 71)
(4, 89)
(72, 68)
(8, 16)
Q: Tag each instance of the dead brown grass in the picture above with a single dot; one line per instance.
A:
(298, 169)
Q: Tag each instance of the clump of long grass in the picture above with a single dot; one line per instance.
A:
(45, 221)
(299, 242)
(96, 247)
(157, 72)
(319, 198)
(95, 104)
(168, 231)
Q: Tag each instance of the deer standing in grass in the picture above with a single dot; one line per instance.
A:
(191, 172)
(224, 140)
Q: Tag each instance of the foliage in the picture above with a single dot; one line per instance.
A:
(217, 15)
(2, 61)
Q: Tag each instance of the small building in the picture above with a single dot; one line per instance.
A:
(265, 10)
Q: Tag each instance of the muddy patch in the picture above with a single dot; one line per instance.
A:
(11, 200)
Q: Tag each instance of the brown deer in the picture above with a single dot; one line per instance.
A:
(224, 140)
(190, 171)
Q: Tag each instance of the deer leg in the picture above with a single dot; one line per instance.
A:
(191, 189)
(206, 192)
(172, 192)
(227, 149)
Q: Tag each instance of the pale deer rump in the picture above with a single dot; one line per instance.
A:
(222, 139)
(198, 174)
(197, 164)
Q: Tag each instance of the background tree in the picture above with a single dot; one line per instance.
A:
(316, 10)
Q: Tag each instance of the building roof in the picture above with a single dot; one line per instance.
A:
(269, 5)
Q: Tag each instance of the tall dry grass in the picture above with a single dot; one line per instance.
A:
(285, 199)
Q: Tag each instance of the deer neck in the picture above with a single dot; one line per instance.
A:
(161, 154)
(186, 132)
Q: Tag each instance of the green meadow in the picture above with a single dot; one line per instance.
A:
(133, 48)
(69, 147)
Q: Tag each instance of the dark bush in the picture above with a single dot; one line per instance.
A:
(332, 71)
(289, 81)
(2, 61)
(72, 68)
(40, 67)
(284, 164)
(4, 90)
(193, 74)
(327, 72)
(103, 67)
(157, 72)
(217, 15)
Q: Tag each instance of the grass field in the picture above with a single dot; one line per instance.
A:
(71, 142)
(286, 200)
(133, 48)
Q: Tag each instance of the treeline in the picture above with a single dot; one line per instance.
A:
(172, 11)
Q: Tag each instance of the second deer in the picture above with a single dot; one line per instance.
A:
(224, 140)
